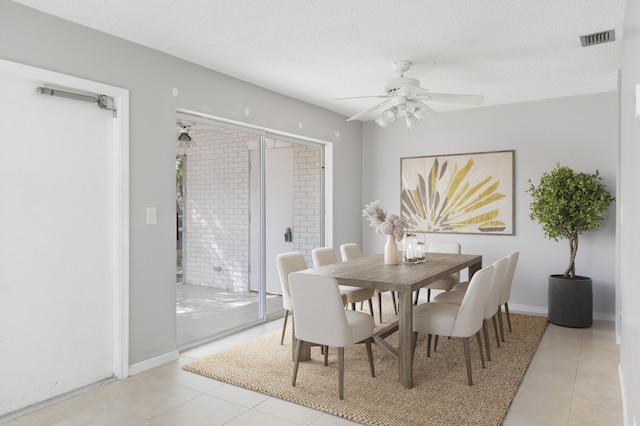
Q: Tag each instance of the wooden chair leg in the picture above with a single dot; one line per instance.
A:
(296, 362)
(467, 359)
(506, 308)
(480, 347)
(326, 355)
(501, 323)
(495, 329)
(429, 345)
(435, 343)
(486, 339)
(415, 302)
(353, 306)
(428, 295)
(370, 355)
(341, 373)
(395, 304)
(380, 306)
(284, 326)
(371, 308)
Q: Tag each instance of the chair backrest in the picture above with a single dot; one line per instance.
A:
(318, 312)
(470, 315)
(505, 294)
(447, 247)
(323, 256)
(288, 263)
(350, 251)
(497, 284)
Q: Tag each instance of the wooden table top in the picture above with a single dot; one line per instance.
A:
(371, 272)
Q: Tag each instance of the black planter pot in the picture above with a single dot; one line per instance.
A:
(571, 301)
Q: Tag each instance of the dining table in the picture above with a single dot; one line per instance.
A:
(403, 278)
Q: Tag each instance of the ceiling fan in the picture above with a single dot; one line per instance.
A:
(405, 98)
(186, 128)
(183, 130)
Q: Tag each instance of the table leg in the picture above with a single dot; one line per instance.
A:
(474, 268)
(405, 331)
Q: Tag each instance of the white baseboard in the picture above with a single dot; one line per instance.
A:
(543, 311)
(527, 310)
(150, 363)
(622, 393)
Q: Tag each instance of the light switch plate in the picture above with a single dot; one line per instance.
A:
(152, 215)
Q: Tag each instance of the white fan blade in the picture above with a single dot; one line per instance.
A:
(450, 97)
(360, 97)
(373, 108)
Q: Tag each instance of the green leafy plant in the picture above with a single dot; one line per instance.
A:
(566, 204)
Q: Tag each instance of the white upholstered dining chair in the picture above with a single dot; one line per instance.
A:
(326, 256)
(315, 296)
(464, 320)
(446, 283)
(288, 263)
(506, 291)
(492, 306)
(350, 251)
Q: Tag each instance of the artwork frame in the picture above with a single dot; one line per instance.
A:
(468, 193)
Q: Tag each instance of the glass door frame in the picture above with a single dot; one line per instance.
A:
(326, 219)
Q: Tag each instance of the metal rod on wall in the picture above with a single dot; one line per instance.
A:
(103, 101)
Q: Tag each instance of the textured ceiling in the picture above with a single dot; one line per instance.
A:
(507, 50)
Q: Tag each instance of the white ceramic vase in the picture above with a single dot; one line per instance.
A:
(391, 251)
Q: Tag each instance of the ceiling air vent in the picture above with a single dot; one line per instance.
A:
(598, 38)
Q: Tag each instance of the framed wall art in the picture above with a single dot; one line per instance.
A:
(459, 193)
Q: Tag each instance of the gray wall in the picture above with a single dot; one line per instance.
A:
(629, 290)
(43, 41)
(580, 132)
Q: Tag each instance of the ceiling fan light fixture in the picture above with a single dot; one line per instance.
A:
(410, 120)
(420, 112)
(380, 122)
(184, 137)
(390, 115)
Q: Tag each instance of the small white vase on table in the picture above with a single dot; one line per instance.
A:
(391, 226)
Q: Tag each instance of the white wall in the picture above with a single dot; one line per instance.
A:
(47, 42)
(580, 132)
(629, 290)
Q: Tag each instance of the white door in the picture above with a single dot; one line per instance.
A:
(279, 210)
(57, 255)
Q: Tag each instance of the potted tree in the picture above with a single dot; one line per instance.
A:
(566, 204)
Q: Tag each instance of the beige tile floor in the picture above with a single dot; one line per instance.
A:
(572, 380)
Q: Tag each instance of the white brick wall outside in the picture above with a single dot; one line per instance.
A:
(216, 216)
(306, 199)
(217, 213)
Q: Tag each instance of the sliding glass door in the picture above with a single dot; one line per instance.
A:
(246, 197)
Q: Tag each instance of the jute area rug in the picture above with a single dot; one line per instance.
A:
(440, 395)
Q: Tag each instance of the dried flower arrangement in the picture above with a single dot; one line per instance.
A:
(377, 217)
